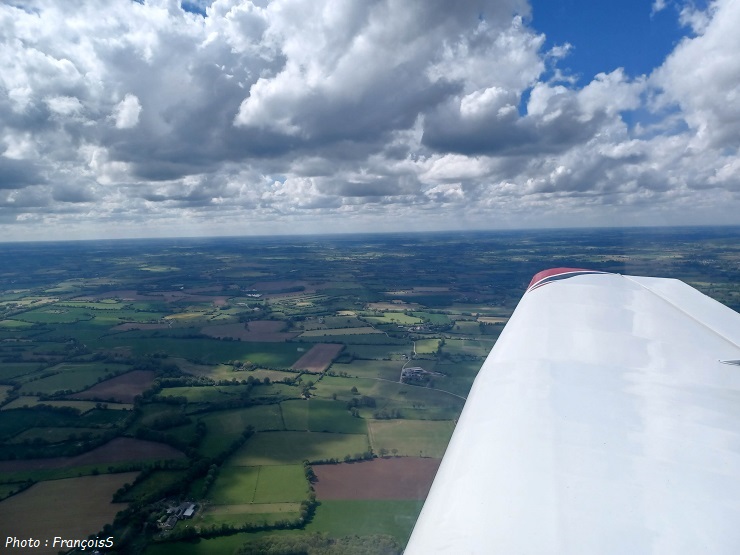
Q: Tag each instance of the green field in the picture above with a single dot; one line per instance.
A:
(411, 438)
(236, 485)
(356, 339)
(394, 318)
(432, 318)
(15, 324)
(153, 484)
(427, 346)
(413, 402)
(15, 421)
(466, 327)
(340, 331)
(10, 370)
(254, 514)
(223, 427)
(71, 377)
(379, 352)
(51, 314)
(222, 545)
(383, 369)
(105, 304)
(60, 305)
(469, 347)
(278, 448)
(364, 517)
(208, 393)
(316, 415)
(82, 406)
(56, 435)
(211, 351)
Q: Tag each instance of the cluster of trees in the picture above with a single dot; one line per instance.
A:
(387, 414)
(354, 404)
(210, 478)
(366, 456)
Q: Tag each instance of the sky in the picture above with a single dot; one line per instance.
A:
(233, 117)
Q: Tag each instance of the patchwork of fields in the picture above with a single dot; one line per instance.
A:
(262, 380)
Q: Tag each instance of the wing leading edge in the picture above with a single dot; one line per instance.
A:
(603, 421)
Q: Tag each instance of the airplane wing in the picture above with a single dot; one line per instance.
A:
(606, 420)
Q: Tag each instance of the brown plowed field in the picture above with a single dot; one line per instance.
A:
(318, 358)
(394, 478)
(71, 508)
(120, 449)
(122, 388)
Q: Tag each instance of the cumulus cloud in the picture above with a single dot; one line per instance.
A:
(369, 113)
(126, 113)
(702, 77)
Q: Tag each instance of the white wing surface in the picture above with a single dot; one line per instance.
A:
(604, 421)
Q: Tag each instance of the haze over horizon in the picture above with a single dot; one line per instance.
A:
(162, 119)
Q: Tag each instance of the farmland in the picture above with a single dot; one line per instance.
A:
(35, 511)
(233, 373)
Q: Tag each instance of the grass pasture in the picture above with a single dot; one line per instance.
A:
(383, 369)
(317, 415)
(213, 371)
(223, 427)
(104, 304)
(70, 377)
(237, 485)
(55, 315)
(13, 371)
(4, 389)
(468, 347)
(427, 346)
(14, 324)
(379, 352)
(411, 438)
(208, 393)
(152, 485)
(365, 517)
(467, 327)
(253, 513)
(340, 331)
(421, 403)
(212, 351)
(15, 421)
(279, 448)
(56, 435)
(433, 318)
(398, 318)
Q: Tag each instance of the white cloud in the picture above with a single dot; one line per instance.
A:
(365, 112)
(658, 6)
(702, 77)
(126, 113)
